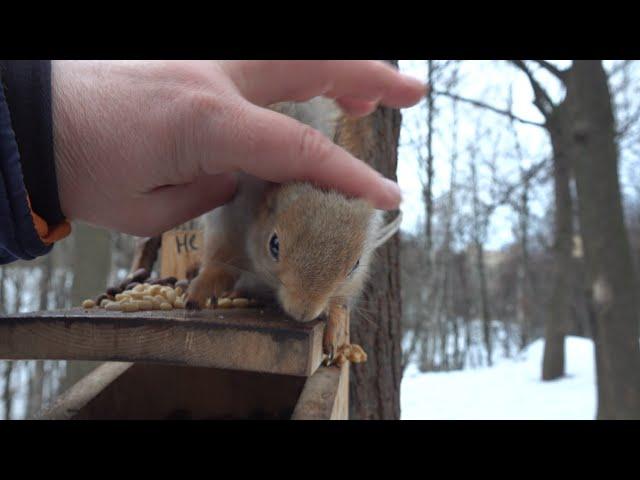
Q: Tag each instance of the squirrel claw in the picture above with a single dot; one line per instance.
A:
(192, 305)
(329, 351)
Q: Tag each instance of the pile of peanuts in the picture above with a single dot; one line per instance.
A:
(136, 293)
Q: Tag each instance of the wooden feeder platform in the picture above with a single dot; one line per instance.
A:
(211, 364)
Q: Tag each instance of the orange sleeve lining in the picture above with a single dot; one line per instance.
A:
(48, 234)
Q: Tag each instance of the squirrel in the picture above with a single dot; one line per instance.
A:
(309, 248)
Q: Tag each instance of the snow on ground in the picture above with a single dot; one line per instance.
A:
(510, 390)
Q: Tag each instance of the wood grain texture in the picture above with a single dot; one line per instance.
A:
(181, 250)
(323, 395)
(84, 391)
(249, 340)
(169, 392)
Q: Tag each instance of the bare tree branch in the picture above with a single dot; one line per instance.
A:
(552, 69)
(480, 104)
(541, 97)
(527, 176)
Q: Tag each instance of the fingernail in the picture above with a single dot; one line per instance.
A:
(393, 193)
(416, 83)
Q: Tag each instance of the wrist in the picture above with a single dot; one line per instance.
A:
(28, 96)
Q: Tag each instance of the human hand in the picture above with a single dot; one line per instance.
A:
(141, 147)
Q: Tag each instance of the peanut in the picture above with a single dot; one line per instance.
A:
(357, 354)
(88, 303)
(157, 301)
(113, 306)
(240, 302)
(154, 290)
(145, 304)
(339, 360)
(169, 294)
(166, 306)
(225, 303)
(129, 306)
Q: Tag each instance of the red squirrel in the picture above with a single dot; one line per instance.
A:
(308, 248)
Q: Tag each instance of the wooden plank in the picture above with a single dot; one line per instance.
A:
(180, 252)
(323, 395)
(159, 392)
(326, 392)
(68, 404)
(243, 339)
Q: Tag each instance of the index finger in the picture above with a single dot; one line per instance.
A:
(279, 149)
(269, 81)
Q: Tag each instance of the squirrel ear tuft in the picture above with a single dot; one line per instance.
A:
(389, 230)
(270, 197)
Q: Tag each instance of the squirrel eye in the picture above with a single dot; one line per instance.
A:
(354, 267)
(274, 247)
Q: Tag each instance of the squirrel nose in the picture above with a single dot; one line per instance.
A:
(310, 314)
(304, 314)
(302, 309)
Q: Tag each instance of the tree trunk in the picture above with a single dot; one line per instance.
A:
(2, 299)
(467, 357)
(553, 363)
(375, 385)
(7, 394)
(478, 235)
(484, 302)
(37, 376)
(606, 244)
(91, 262)
(525, 291)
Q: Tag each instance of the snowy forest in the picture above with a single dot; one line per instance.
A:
(519, 249)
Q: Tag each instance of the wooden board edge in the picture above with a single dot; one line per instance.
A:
(83, 391)
(323, 396)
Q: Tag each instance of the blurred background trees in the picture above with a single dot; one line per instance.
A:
(522, 221)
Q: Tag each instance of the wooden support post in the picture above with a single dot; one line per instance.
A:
(326, 393)
(84, 391)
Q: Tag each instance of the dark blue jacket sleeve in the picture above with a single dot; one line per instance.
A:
(27, 170)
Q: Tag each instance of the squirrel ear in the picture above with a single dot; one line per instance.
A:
(270, 198)
(388, 230)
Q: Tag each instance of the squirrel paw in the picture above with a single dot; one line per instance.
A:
(350, 352)
(207, 286)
